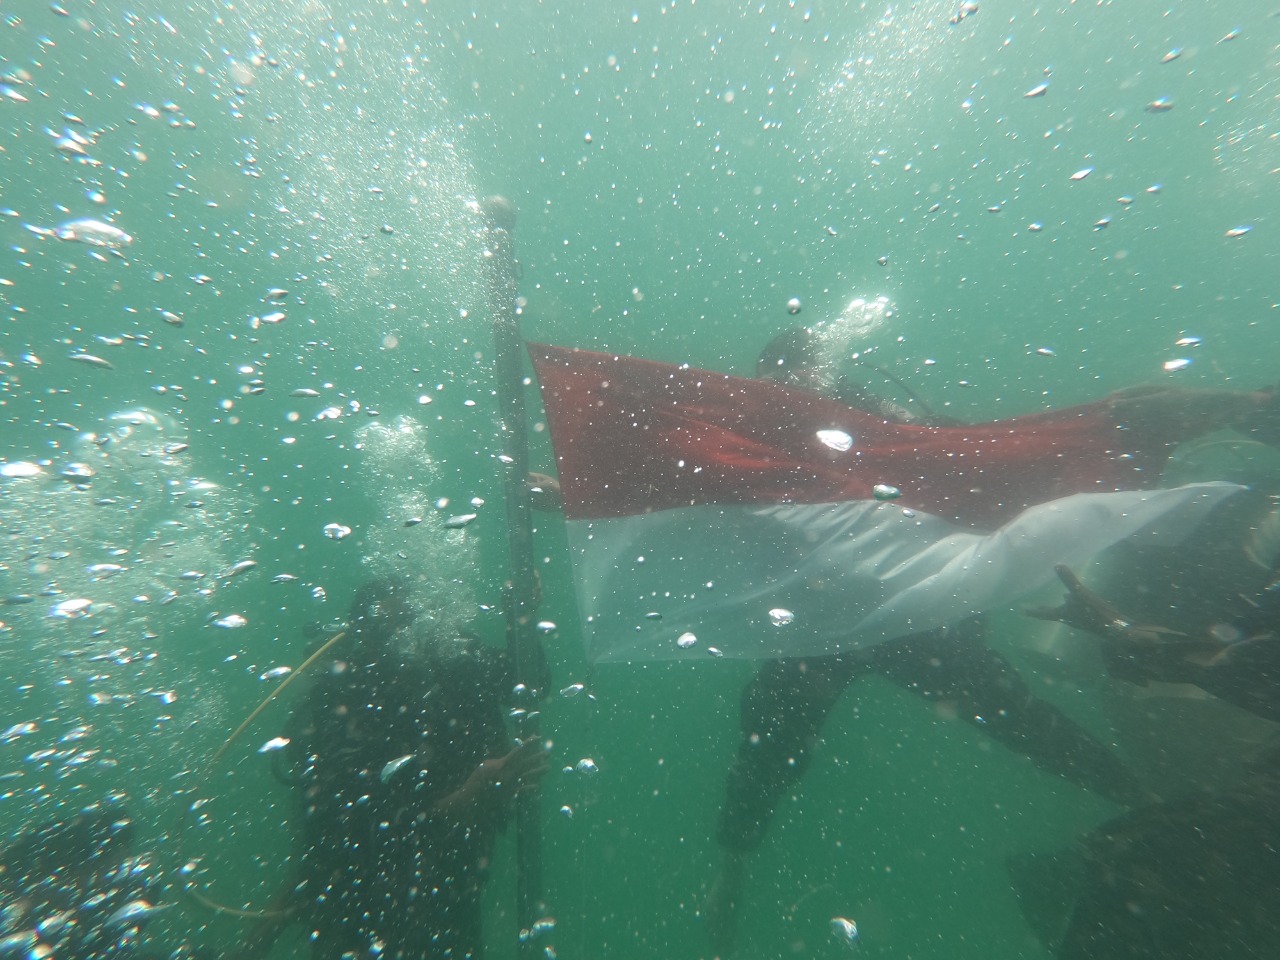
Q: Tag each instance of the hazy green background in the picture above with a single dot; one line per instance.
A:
(681, 170)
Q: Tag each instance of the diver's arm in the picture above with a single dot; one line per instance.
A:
(1183, 413)
(1135, 652)
(1245, 673)
(487, 791)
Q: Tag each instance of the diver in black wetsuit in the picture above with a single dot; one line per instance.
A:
(786, 704)
(1196, 877)
(1222, 589)
(406, 772)
(71, 889)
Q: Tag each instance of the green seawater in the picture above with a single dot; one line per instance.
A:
(681, 170)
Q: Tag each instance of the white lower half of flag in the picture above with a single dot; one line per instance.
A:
(781, 580)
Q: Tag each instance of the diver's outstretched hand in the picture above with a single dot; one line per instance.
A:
(1183, 413)
(1138, 653)
(492, 785)
(544, 492)
(1080, 608)
(522, 767)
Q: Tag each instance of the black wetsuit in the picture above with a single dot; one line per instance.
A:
(786, 704)
(1196, 877)
(381, 869)
(69, 888)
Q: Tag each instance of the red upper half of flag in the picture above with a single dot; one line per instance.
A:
(634, 436)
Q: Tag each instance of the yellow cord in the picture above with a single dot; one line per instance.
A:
(193, 891)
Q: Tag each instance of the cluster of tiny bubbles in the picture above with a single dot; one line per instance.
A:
(372, 183)
(441, 564)
(834, 341)
(892, 57)
(1242, 148)
(112, 554)
(117, 519)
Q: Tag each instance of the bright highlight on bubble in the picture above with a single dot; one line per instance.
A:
(837, 440)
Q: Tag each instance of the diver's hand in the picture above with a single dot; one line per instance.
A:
(544, 492)
(523, 767)
(1183, 413)
(1084, 610)
(1138, 653)
(1080, 608)
(497, 780)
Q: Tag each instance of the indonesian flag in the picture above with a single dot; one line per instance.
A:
(714, 513)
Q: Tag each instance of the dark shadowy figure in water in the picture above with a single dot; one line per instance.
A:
(1222, 589)
(405, 771)
(70, 888)
(1198, 876)
(1195, 878)
(786, 704)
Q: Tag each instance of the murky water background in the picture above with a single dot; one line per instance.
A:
(681, 171)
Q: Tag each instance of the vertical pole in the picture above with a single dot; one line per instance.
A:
(521, 593)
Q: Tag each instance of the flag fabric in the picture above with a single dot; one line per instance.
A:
(714, 514)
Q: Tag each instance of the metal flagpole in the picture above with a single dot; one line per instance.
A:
(521, 592)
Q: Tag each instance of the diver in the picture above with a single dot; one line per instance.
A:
(1196, 876)
(405, 773)
(1222, 588)
(786, 704)
(801, 357)
(71, 888)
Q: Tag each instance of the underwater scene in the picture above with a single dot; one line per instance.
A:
(636, 480)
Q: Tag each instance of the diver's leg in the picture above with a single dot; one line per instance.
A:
(955, 664)
(783, 710)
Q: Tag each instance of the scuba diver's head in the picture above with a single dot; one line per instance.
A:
(67, 850)
(810, 357)
(792, 359)
(380, 609)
